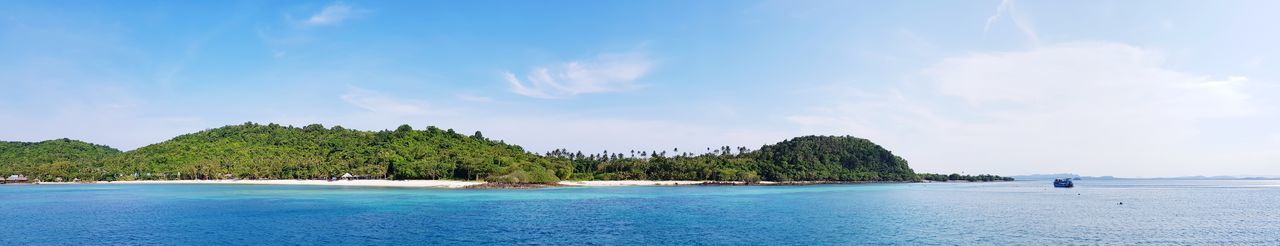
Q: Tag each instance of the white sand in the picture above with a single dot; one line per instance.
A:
(367, 183)
(399, 183)
(628, 183)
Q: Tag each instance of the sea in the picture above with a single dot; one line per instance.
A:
(1124, 212)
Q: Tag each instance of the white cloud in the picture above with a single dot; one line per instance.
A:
(377, 102)
(332, 14)
(1009, 8)
(1089, 75)
(606, 73)
(1091, 107)
(102, 114)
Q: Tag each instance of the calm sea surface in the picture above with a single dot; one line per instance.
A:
(1024, 212)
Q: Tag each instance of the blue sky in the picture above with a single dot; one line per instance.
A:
(1128, 88)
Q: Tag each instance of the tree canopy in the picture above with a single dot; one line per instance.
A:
(271, 151)
(51, 159)
(253, 151)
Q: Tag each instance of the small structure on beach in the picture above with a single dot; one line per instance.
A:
(348, 176)
(16, 178)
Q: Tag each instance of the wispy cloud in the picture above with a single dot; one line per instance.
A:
(606, 73)
(63, 107)
(1009, 8)
(332, 14)
(59, 73)
(1000, 11)
(1078, 107)
(377, 102)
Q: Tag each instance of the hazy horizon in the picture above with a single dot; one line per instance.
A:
(1106, 88)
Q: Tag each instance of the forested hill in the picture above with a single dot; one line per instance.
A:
(830, 158)
(810, 158)
(255, 151)
(57, 158)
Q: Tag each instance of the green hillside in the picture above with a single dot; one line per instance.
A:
(831, 158)
(255, 151)
(809, 158)
(50, 159)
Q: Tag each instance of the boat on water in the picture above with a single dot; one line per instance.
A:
(1063, 183)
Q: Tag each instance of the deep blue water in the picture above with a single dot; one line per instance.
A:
(1025, 212)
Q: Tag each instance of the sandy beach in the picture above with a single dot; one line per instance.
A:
(631, 182)
(453, 184)
(364, 183)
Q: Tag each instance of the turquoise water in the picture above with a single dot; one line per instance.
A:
(1154, 212)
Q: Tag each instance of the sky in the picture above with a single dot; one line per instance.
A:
(1124, 88)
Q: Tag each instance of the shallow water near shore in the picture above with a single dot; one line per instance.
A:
(1023, 212)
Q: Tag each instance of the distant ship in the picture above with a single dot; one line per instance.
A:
(1063, 183)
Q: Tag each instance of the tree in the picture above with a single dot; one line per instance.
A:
(405, 128)
(312, 152)
(313, 127)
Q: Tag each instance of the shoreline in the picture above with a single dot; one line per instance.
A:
(448, 184)
(610, 183)
(451, 184)
(460, 184)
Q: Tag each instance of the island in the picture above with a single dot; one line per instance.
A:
(434, 157)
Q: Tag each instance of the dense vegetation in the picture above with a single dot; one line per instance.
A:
(810, 158)
(255, 151)
(51, 159)
(959, 177)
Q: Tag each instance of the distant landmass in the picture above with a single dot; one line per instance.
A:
(1046, 176)
(272, 151)
(1076, 176)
